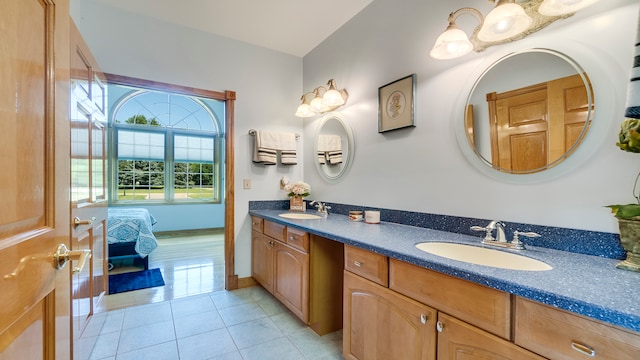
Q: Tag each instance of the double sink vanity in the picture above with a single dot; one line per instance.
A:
(407, 292)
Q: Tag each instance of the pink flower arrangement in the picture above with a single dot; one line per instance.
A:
(298, 188)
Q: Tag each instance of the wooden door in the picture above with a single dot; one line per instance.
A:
(291, 279)
(519, 131)
(538, 125)
(88, 180)
(380, 324)
(34, 181)
(458, 340)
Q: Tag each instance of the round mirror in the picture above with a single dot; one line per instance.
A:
(334, 147)
(528, 111)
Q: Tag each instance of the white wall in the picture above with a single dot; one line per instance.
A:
(268, 86)
(423, 169)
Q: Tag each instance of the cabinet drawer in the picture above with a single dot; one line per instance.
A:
(274, 230)
(558, 334)
(486, 308)
(371, 266)
(256, 224)
(298, 239)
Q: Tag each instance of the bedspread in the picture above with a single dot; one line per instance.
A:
(132, 225)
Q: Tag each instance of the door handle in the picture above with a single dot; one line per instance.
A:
(77, 221)
(63, 255)
(59, 259)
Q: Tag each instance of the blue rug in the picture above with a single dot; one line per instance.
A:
(136, 280)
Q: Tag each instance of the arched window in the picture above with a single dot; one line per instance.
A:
(166, 147)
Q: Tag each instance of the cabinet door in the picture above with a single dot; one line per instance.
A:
(380, 324)
(461, 341)
(262, 259)
(291, 279)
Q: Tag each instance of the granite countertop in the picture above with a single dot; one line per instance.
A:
(583, 284)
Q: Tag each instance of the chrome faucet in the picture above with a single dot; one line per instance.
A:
(501, 239)
(493, 225)
(322, 208)
(499, 226)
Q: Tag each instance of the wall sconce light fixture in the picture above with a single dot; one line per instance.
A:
(510, 20)
(321, 100)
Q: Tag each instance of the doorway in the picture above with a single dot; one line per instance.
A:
(188, 168)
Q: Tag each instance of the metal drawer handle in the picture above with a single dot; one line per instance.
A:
(357, 263)
(583, 349)
(291, 238)
(423, 318)
(439, 326)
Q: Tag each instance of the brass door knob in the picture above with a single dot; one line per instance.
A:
(59, 259)
(62, 256)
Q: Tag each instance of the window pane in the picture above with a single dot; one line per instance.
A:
(193, 148)
(140, 180)
(141, 145)
(191, 183)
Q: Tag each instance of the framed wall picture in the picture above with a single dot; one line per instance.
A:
(396, 104)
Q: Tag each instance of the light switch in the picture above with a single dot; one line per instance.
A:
(246, 183)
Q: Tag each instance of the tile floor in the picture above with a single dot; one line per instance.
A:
(244, 324)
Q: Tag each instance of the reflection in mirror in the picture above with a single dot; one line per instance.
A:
(529, 111)
(334, 147)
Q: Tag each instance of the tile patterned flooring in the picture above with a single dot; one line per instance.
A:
(244, 324)
(192, 317)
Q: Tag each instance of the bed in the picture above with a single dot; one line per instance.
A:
(130, 234)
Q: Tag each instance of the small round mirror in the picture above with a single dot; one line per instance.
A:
(334, 147)
(528, 111)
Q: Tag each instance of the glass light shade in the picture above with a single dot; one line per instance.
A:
(562, 7)
(451, 44)
(332, 98)
(504, 21)
(304, 110)
(317, 105)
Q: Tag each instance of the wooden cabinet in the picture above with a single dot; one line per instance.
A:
(380, 324)
(458, 340)
(303, 272)
(558, 334)
(262, 259)
(399, 322)
(291, 279)
(371, 266)
(486, 308)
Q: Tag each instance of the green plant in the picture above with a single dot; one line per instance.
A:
(629, 140)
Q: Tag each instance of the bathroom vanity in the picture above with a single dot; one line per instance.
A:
(402, 303)
(301, 270)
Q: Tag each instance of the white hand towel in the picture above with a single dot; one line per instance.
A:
(267, 144)
(261, 153)
(329, 143)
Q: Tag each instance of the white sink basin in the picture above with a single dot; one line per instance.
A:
(483, 256)
(299, 216)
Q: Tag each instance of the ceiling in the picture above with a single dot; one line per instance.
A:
(290, 26)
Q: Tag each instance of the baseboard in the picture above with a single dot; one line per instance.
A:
(246, 282)
(188, 232)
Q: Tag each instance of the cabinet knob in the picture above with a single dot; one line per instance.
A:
(423, 318)
(583, 349)
(357, 263)
(439, 326)
(291, 238)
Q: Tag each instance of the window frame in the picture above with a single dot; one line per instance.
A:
(169, 133)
